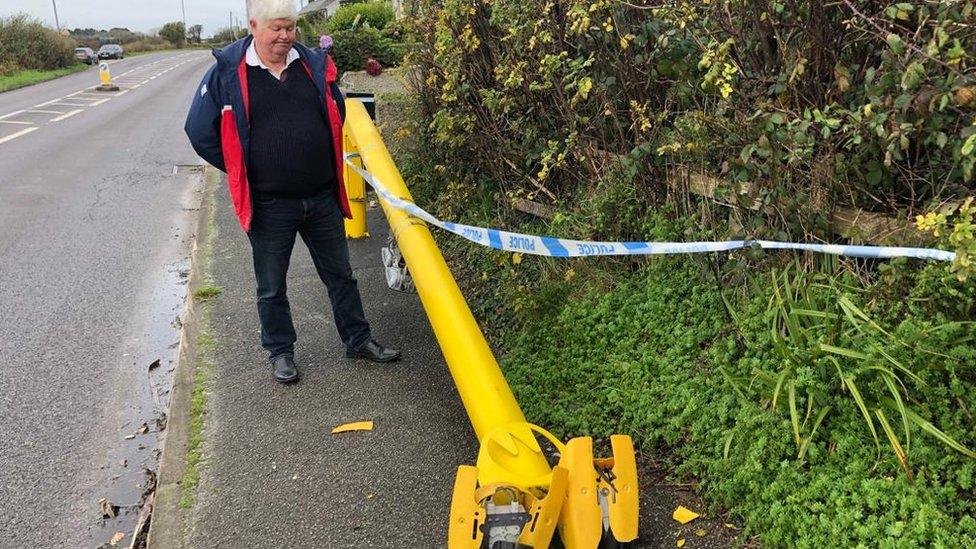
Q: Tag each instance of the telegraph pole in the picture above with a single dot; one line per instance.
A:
(183, 6)
(56, 22)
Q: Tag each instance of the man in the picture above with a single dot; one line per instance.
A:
(269, 113)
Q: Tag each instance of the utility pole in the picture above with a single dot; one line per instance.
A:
(183, 6)
(56, 22)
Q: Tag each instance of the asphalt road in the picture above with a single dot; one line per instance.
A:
(95, 229)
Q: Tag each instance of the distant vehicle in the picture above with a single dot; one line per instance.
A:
(111, 51)
(86, 55)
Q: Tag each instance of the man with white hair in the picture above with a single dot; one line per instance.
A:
(269, 113)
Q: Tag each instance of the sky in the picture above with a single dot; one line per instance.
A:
(136, 15)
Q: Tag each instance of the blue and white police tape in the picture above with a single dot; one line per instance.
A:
(561, 247)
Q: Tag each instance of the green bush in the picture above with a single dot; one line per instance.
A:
(351, 49)
(830, 406)
(856, 103)
(374, 14)
(26, 43)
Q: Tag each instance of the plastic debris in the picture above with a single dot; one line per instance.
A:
(356, 426)
(684, 515)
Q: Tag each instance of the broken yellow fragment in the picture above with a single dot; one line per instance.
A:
(684, 515)
(356, 426)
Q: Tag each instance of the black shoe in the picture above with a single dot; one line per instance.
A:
(284, 369)
(374, 352)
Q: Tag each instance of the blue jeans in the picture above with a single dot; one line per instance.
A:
(319, 220)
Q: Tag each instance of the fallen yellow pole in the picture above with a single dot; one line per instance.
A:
(483, 389)
(513, 495)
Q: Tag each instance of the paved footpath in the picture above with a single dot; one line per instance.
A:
(274, 475)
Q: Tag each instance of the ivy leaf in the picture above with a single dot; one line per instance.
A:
(968, 146)
(913, 76)
(874, 177)
(895, 43)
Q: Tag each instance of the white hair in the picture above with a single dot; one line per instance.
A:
(268, 10)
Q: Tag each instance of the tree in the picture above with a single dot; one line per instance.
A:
(193, 33)
(227, 35)
(175, 32)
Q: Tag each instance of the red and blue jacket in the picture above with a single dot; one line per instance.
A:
(218, 123)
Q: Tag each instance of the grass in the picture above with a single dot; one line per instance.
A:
(167, 50)
(206, 348)
(25, 78)
(207, 291)
(198, 405)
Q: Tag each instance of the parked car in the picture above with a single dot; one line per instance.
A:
(111, 51)
(86, 55)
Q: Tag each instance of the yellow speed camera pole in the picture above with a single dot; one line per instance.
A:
(518, 492)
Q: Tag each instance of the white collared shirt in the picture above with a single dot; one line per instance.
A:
(253, 59)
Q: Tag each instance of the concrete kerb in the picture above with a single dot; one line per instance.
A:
(166, 526)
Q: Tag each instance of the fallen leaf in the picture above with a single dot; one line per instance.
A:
(681, 542)
(570, 273)
(370, 496)
(730, 525)
(356, 426)
(109, 509)
(117, 538)
(153, 365)
(295, 476)
(516, 259)
(701, 532)
(124, 463)
(143, 429)
(684, 515)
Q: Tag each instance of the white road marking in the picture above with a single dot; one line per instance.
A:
(123, 92)
(100, 101)
(66, 115)
(46, 104)
(13, 136)
(70, 104)
(9, 114)
(16, 122)
(45, 112)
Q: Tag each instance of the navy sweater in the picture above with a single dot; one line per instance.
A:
(291, 143)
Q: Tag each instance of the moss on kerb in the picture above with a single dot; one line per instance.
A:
(206, 347)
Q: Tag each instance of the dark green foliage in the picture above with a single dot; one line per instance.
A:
(823, 403)
(352, 48)
(175, 32)
(353, 16)
(656, 357)
(817, 104)
(25, 43)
